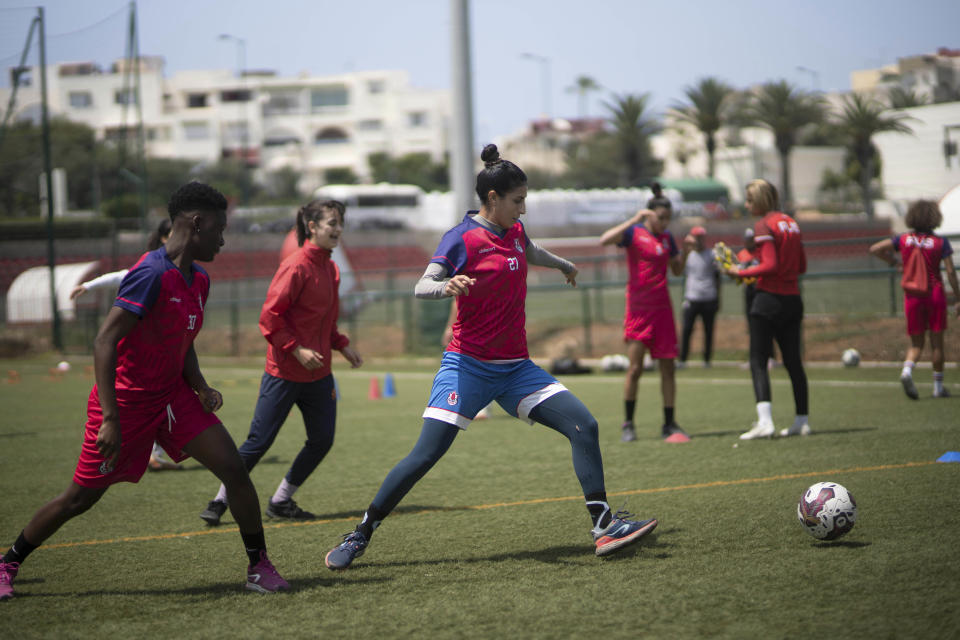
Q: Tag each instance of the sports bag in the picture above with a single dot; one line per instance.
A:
(915, 280)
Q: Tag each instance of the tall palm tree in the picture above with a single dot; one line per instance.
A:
(901, 98)
(705, 110)
(860, 119)
(632, 128)
(784, 110)
(583, 86)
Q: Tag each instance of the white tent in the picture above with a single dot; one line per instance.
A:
(28, 299)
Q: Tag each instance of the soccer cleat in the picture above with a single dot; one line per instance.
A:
(759, 430)
(673, 433)
(621, 532)
(802, 429)
(909, 388)
(342, 555)
(8, 571)
(943, 393)
(211, 515)
(628, 433)
(263, 577)
(288, 509)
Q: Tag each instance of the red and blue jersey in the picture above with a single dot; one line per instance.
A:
(648, 257)
(933, 248)
(491, 319)
(151, 357)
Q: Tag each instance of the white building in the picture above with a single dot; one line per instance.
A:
(308, 123)
(934, 77)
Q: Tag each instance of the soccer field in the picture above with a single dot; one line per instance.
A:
(494, 542)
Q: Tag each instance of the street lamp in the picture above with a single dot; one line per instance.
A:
(244, 131)
(545, 79)
(814, 74)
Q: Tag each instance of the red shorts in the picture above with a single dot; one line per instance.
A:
(172, 421)
(655, 329)
(928, 313)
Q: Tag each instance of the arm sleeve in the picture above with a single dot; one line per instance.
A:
(627, 237)
(947, 249)
(283, 292)
(542, 258)
(896, 242)
(673, 244)
(451, 253)
(768, 261)
(112, 279)
(139, 290)
(431, 283)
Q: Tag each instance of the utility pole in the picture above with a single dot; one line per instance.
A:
(462, 146)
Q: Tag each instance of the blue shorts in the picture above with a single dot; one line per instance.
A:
(464, 385)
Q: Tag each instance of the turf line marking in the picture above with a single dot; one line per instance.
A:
(498, 505)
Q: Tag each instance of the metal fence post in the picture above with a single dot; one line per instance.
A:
(587, 337)
(234, 320)
(893, 293)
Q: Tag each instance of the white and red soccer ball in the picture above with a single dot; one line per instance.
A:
(827, 510)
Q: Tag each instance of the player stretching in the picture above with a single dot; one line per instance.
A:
(925, 310)
(299, 321)
(776, 311)
(483, 262)
(648, 320)
(149, 387)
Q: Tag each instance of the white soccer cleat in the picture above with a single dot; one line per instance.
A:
(759, 430)
(908, 387)
(802, 429)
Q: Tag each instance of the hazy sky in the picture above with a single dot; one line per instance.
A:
(626, 46)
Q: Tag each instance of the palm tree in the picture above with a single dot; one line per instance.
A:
(632, 128)
(901, 98)
(784, 110)
(860, 119)
(582, 86)
(706, 111)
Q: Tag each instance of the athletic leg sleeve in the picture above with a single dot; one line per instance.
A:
(435, 438)
(788, 337)
(761, 347)
(319, 409)
(565, 413)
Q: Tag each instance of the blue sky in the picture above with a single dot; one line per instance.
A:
(626, 46)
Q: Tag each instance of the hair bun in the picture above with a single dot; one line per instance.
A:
(657, 190)
(490, 155)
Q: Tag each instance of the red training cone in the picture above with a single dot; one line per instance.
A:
(374, 393)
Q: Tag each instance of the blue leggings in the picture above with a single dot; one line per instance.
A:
(562, 412)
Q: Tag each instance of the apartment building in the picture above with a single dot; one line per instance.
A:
(308, 123)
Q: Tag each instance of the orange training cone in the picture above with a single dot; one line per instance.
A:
(374, 393)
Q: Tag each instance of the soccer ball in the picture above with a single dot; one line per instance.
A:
(850, 358)
(63, 366)
(827, 510)
(614, 362)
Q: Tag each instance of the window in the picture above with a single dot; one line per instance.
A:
(158, 134)
(235, 95)
(81, 99)
(235, 134)
(282, 102)
(331, 135)
(376, 86)
(370, 125)
(196, 100)
(125, 96)
(417, 119)
(196, 130)
(332, 96)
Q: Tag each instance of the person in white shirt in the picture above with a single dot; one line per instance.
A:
(701, 296)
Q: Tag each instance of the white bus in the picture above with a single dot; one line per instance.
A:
(377, 206)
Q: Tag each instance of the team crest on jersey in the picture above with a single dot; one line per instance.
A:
(659, 249)
(453, 398)
(516, 245)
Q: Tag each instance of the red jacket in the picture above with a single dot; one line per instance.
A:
(302, 306)
(781, 254)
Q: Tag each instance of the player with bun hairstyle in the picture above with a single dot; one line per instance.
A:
(776, 311)
(924, 313)
(299, 321)
(648, 319)
(149, 387)
(482, 262)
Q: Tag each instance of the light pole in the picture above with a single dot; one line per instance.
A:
(545, 79)
(245, 124)
(814, 74)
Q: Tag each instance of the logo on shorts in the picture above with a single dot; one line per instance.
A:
(105, 467)
(453, 398)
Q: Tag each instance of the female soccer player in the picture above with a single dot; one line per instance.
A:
(701, 296)
(299, 321)
(158, 459)
(648, 321)
(925, 313)
(483, 262)
(776, 311)
(149, 387)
